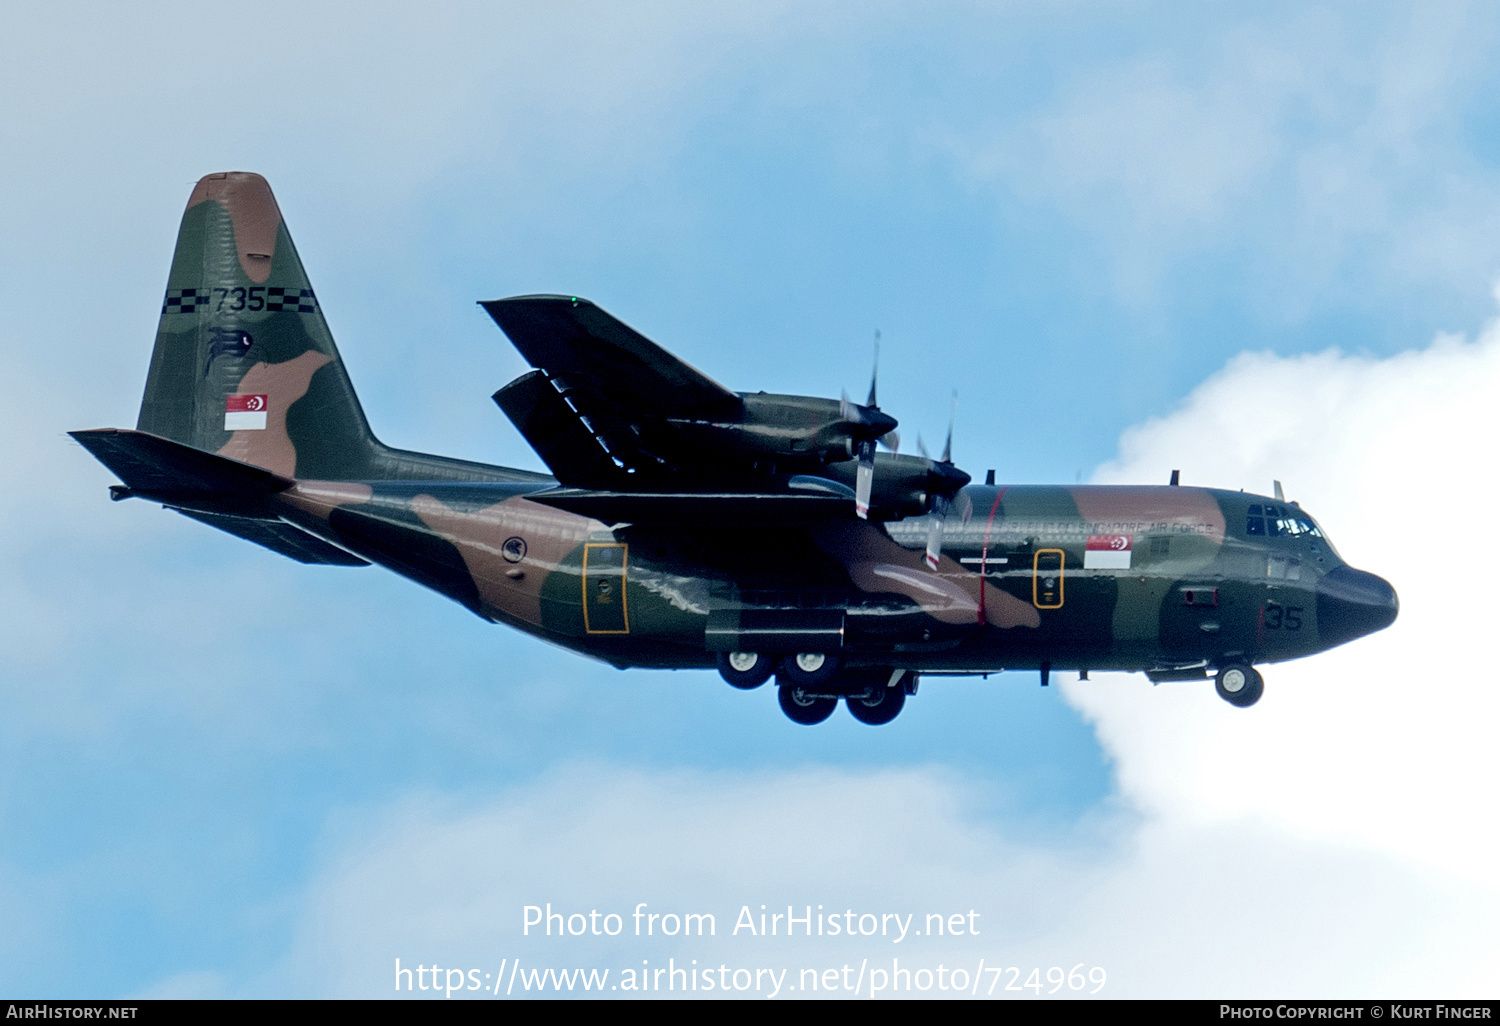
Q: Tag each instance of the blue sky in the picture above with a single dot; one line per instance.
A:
(224, 773)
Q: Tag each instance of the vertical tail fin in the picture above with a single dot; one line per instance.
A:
(244, 364)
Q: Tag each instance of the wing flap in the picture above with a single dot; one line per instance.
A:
(574, 454)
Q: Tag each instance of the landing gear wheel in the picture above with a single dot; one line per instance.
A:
(808, 669)
(746, 669)
(1239, 685)
(804, 708)
(877, 706)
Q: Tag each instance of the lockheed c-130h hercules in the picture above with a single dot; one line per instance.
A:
(686, 525)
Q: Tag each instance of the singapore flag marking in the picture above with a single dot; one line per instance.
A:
(245, 413)
(1107, 552)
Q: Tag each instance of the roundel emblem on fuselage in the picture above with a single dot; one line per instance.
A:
(514, 550)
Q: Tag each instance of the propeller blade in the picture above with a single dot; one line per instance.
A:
(948, 445)
(922, 447)
(845, 406)
(935, 521)
(864, 479)
(874, 373)
(891, 440)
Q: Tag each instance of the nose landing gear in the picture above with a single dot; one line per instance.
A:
(1239, 685)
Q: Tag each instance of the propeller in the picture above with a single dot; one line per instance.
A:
(869, 418)
(945, 480)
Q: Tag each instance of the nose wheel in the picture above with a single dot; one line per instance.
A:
(1239, 685)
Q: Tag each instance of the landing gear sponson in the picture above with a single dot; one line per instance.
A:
(810, 684)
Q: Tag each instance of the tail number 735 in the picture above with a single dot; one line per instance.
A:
(1276, 617)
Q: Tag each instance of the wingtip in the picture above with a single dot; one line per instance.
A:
(537, 299)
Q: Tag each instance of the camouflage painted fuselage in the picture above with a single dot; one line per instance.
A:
(250, 423)
(1012, 590)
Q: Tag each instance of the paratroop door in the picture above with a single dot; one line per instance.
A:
(604, 609)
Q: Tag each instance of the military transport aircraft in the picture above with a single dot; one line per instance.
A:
(687, 525)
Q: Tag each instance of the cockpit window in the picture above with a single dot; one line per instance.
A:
(1302, 526)
(1275, 521)
(1254, 523)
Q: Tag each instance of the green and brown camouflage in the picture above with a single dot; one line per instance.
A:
(689, 526)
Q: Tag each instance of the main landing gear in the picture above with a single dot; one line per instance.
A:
(810, 684)
(877, 705)
(1239, 685)
(746, 669)
(802, 706)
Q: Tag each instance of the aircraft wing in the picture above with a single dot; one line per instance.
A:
(605, 394)
(576, 341)
(634, 434)
(699, 508)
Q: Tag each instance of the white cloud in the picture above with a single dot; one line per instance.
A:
(1172, 906)
(1385, 742)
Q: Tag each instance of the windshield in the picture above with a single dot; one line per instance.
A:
(1275, 521)
(1270, 520)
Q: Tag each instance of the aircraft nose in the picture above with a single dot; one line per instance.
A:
(1352, 603)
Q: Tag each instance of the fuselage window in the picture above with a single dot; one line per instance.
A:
(1254, 524)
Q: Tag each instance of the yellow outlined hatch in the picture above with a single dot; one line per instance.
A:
(1047, 578)
(604, 610)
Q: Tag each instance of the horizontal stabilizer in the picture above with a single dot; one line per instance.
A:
(729, 508)
(559, 437)
(281, 537)
(172, 473)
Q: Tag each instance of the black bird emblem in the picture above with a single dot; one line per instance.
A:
(227, 342)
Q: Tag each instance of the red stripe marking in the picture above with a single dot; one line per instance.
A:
(984, 553)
